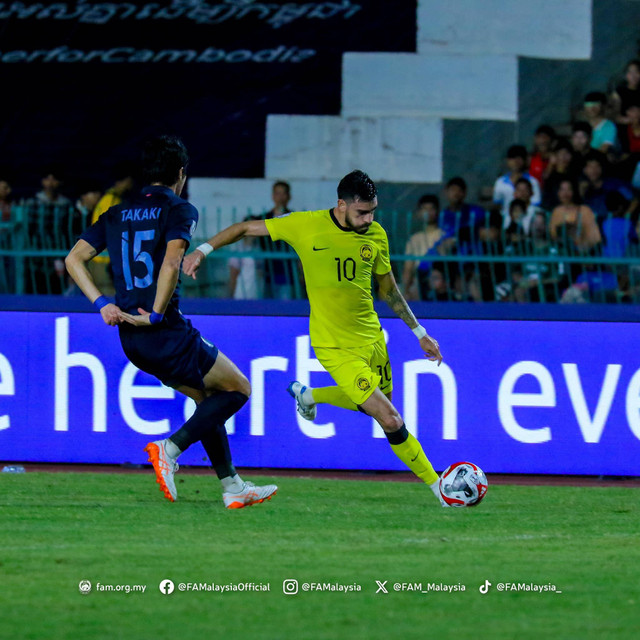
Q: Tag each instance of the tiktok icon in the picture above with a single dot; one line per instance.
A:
(484, 588)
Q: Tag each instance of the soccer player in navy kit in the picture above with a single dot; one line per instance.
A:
(146, 238)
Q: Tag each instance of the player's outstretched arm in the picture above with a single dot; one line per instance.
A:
(76, 263)
(246, 229)
(390, 293)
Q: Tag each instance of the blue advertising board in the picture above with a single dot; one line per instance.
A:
(511, 396)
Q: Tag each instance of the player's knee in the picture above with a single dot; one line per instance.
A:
(391, 421)
(243, 385)
(235, 381)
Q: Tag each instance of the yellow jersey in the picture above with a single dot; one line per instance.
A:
(338, 264)
(108, 200)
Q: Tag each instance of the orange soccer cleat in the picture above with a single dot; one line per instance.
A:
(165, 467)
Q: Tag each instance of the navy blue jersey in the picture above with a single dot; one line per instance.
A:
(136, 234)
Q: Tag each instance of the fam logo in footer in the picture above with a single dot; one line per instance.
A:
(84, 586)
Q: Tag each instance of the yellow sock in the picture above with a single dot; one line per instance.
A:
(334, 396)
(411, 453)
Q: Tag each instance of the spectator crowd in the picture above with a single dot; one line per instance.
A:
(562, 225)
(563, 222)
(42, 227)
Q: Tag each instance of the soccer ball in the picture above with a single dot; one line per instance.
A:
(463, 484)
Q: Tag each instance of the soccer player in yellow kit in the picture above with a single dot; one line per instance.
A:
(341, 249)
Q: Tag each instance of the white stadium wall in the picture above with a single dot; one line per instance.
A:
(390, 125)
(391, 149)
(541, 29)
(465, 68)
(404, 84)
(223, 201)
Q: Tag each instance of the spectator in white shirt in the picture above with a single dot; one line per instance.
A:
(524, 191)
(504, 187)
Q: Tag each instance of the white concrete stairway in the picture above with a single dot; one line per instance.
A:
(393, 104)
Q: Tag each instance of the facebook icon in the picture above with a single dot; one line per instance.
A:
(166, 587)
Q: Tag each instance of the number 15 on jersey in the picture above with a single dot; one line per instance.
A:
(139, 255)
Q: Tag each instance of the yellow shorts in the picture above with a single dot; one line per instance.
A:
(360, 370)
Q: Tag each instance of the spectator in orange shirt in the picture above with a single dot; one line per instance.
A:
(542, 143)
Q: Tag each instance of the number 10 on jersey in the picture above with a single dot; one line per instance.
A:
(346, 268)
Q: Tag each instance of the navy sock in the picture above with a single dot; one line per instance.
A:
(214, 410)
(216, 444)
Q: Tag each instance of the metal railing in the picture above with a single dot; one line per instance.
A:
(33, 245)
(478, 263)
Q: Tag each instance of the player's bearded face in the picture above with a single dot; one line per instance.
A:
(359, 215)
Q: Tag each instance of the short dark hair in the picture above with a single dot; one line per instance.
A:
(457, 182)
(442, 268)
(517, 151)
(632, 63)
(357, 185)
(574, 187)
(546, 130)
(596, 156)
(281, 183)
(524, 181)
(54, 169)
(429, 199)
(563, 143)
(596, 96)
(517, 203)
(633, 103)
(162, 158)
(583, 126)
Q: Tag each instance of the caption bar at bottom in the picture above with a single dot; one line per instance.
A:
(292, 587)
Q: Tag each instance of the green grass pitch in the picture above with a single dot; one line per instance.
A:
(60, 528)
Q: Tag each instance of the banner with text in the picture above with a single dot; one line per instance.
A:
(513, 397)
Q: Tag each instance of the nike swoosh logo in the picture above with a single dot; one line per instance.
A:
(320, 249)
(414, 459)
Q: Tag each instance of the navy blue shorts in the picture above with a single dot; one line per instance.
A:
(175, 355)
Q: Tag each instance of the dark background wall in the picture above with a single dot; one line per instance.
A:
(65, 102)
(84, 83)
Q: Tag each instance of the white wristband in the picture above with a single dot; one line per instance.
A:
(205, 248)
(420, 332)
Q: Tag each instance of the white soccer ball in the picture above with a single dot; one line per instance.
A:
(463, 484)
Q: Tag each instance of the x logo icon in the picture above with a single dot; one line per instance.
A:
(381, 587)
